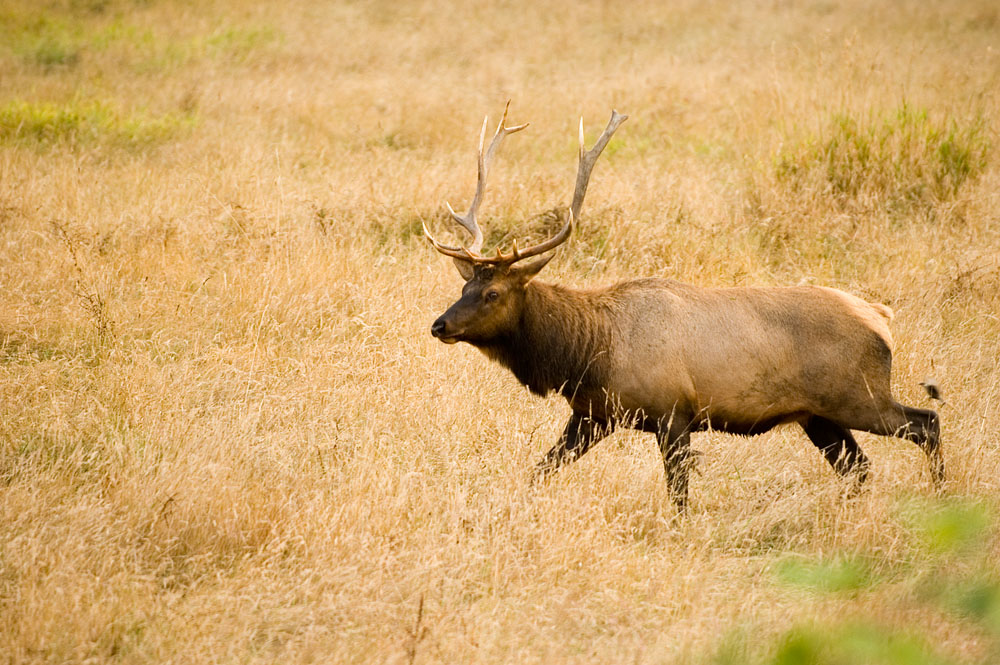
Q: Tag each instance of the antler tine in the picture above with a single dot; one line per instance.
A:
(587, 161)
(589, 158)
(468, 221)
(544, 246)
(454, 252)
(485, 162)
(502, 132)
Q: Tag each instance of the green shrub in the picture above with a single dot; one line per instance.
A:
(950, 569)
(896, 161)
(23, 122)
(52, 37)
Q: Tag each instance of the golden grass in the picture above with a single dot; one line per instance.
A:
(227, 435)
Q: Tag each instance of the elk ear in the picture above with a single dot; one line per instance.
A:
(465, 268)
(526, 271)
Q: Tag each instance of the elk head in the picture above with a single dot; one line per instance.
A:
(495, 286)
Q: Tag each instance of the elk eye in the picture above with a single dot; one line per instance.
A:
(492, 295)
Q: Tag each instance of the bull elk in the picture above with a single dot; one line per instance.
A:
(670, 358)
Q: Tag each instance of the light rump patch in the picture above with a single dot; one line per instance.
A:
(875, 315)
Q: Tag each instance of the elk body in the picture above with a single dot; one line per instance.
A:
(671, 358)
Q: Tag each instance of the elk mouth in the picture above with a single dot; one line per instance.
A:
(440, 330)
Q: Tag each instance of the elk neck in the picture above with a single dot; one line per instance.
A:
(562, 341)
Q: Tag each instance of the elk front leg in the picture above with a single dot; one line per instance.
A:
(674, 438)
(579, 435)
(839, 448)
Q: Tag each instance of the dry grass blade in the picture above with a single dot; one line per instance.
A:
(227, 435)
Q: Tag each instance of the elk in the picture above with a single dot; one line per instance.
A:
(670, 358)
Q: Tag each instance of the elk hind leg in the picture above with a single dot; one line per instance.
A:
(838, 447)
(920, 426)
(579, 435)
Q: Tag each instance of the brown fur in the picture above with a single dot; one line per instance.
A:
(734, 358)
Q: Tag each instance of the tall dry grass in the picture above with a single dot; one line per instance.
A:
(227, 436)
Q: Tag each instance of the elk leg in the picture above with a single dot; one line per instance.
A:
(921, 426)
(838, 447)
(579, 435)
(675, 444)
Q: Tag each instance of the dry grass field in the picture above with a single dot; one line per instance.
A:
(226, 434)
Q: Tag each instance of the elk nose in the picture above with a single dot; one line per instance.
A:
(438, 327)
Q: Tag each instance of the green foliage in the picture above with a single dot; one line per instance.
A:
(954, 526)
(40, 38)
(239, 42)
(830, 575)
(856, 644)
(732, 650)
(43, 124)
(951, 569)
(976, 598)
(963, 577)
(51, 38)
(54, 52)
(896, 161)
(54, 37)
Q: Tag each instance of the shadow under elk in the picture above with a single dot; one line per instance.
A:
(670, 358)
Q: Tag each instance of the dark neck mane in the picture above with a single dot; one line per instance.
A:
(562, 343)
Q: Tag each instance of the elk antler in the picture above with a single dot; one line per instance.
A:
(468, 220)
(589, 158)
(586, 164)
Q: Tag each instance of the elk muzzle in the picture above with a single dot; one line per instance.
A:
(440, 329)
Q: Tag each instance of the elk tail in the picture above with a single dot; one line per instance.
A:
(885, 311)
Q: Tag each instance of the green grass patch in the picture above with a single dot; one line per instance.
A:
(829, 575)
(859, 644)
(89, 122)
(951, 570)
(235, 44)
(953, 526)
(52, 38)
(241, 41)
(41, 38)
(897, 160)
